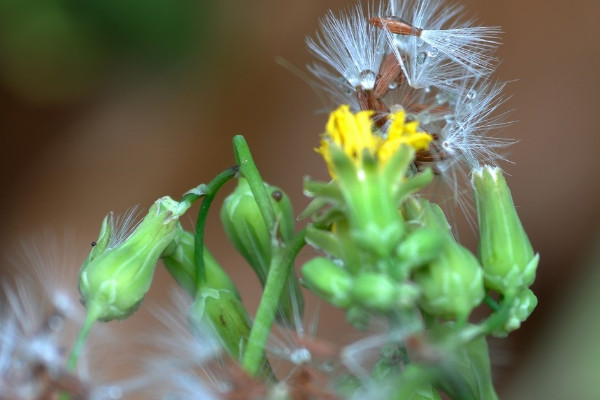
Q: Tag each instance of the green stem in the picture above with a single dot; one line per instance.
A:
(279, 270)
(491, 303)
(249, 171)
(209, 192)
(77, 348)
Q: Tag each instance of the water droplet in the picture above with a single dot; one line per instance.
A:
(300, 356)
(421, 57)
(380, 50)
(367, 79)
(427, 89)
(471, 94)
(433, 52)
(393, 85)
(440, 98)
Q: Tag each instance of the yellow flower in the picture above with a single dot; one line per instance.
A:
(354, 134)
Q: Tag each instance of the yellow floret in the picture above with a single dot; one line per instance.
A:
(354, 134)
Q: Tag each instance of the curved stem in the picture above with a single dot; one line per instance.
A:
(209, 192)
(249, 171)
(279, 270)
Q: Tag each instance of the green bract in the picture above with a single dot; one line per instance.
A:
(115, 277)
(504, 249)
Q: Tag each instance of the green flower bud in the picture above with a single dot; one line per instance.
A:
(247, 231)
(417, 209)
(358, 317)
(452, 284)
(179, 261)
(115, 277)
(225, 313)
(420, 247)
(379, 292)
(522, 307)
(504, 248)
(374, 291)
(326, 279)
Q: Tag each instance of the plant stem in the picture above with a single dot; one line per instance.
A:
(90, 318)
(491, 303)
(279, 270)
(209, 191)
(249, 171)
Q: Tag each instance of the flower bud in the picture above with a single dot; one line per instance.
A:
(248, 232)
(419, 210)
(522, 307)
(323, 277)
(224, 312)
(504, 248)
(116, 276)
(179, 261)
(452, 284)
(379, 292)
(374, 291)
(420, 247)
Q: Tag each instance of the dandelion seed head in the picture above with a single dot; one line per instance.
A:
(350, 46)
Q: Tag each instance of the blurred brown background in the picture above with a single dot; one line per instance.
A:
(111, 104)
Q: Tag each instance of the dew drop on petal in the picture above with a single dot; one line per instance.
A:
(441, 98)
(471, 94)
(367, 79)
(393, 85)
(421, 57)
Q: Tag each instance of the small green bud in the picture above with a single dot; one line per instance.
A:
(326, 279)
(420, 247)
(115, 277)
(419, 210)
(504, 249)
(179, 261)
(247, 231)
(374, 291)
(452, 284)
(224, 312)
(522, 307)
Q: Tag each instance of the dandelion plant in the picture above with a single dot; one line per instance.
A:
(412, 101)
